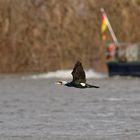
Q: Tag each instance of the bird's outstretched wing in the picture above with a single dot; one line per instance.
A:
(78, 73)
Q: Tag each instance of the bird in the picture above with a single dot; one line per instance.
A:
(79, 78)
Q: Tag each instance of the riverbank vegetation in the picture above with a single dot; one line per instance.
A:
(46, 35)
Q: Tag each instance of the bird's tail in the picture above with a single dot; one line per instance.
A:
(92, 86)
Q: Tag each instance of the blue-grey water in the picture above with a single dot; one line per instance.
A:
(37, 109)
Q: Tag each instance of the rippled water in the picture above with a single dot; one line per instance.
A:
(37, 109)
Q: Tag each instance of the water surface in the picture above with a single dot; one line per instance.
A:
(37, 109)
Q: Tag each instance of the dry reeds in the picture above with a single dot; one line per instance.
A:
(44, 35)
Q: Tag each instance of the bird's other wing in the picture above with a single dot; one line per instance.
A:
(78, 73)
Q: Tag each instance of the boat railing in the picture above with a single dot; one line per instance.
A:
(124, 52)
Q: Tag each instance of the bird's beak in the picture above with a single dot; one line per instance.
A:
(58, 83)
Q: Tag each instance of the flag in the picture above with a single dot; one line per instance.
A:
(103, 23)
(103, 26)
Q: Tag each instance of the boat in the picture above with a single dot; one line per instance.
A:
(123, 58)
(124, 62)
(124, 69)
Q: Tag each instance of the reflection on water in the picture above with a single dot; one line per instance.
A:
(32, 109)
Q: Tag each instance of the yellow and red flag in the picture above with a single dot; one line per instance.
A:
(103, 26)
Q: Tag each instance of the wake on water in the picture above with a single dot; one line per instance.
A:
(66, 74)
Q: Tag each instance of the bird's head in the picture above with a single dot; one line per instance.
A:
(61, 82)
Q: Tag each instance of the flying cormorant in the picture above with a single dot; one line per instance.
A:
(79, 78)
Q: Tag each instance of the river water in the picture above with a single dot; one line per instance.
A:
(37, 109)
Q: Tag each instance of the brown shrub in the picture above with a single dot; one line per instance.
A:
(44, 35)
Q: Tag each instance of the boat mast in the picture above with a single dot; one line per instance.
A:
(109, 26)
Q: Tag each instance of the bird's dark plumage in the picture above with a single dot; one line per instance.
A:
(79, 78)
(78, 73)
